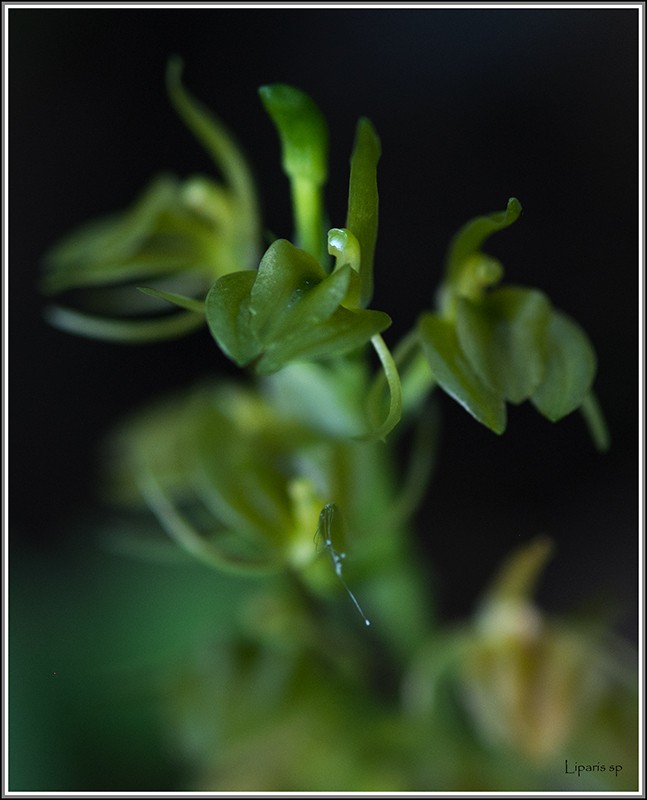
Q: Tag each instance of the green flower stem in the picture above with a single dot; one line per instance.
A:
(416, 376)
(307, 204)
(303, 133)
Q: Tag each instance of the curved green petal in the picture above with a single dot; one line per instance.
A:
(504, 339)
(285, 274)
(394, 411)
(474, 233)
(226, 156)
(321, 302)
(468, 271)
(94, 252)
(289, 310)
(123, 330)
(207, 550)
(342, 333)
(229, 317)
(453, 371)
(570, 369)
(188, 303)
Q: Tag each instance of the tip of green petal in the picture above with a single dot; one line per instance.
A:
(596, 423)
(511, 214)
(513, 208)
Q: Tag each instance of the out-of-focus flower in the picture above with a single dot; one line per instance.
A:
(531, 685)
(530, 682)
(175, 241)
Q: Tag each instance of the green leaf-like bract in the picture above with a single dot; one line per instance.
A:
(456, 375)
(289, 311)
(229, 317)
(513, 346)
(570, 369)
(504, 339)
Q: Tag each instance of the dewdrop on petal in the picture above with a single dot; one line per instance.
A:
(324, 534)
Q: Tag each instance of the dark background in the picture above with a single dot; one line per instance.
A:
(472, 106)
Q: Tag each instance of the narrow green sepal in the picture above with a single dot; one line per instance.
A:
(595, 422)
(124, 331)
(363, 201)
(223, 150)
(188, 303)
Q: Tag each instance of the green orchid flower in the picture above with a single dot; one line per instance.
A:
(488, 345)
(172, 243)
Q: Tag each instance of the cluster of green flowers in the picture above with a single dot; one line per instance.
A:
(239, 474)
